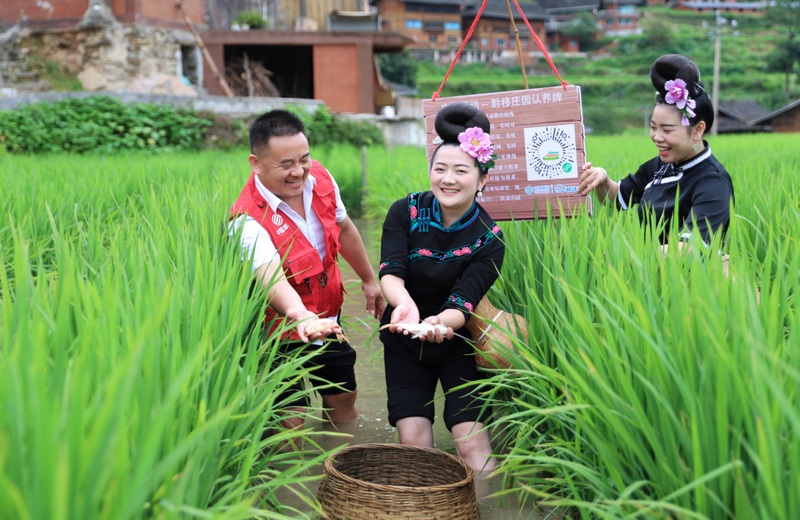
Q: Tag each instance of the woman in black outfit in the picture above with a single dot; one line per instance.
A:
(440, 253)
(684, 167)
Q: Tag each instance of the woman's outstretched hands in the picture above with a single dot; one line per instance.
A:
(405, 319)
(403, 313)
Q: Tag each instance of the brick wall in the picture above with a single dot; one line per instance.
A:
(53, 13)
(49, 14)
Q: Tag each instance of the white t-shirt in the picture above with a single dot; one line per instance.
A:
(257, 242)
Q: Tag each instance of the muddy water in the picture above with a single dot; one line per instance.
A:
(372, 425)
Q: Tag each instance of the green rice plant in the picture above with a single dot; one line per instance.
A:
(392, 174)
(344, 163)
(652, 385)
(665, 379)
(136, 380)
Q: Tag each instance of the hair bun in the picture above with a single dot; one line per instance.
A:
(675, 66)
(453, 119)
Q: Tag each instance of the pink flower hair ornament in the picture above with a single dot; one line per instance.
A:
(477, 143)
(678, 95)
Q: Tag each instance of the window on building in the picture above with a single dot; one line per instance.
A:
(453, 40)
(433, 38)
(500, 42)
(609, 22)
(452, 26)
(190, 64)
(624, 21)
(413, 24)
(626, 9)
(484, 42)
(434, 26)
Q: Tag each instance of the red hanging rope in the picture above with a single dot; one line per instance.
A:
(461, 48)
(541, 46)
(469, 35)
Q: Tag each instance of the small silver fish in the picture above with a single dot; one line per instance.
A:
(419, 329)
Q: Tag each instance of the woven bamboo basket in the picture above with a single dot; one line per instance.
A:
(489, 328)
(398, 482)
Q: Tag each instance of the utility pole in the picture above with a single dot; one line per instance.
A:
(715, 86)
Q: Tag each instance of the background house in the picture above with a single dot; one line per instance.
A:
(434, 26)
(150, 47)
(736, 116)
(619, 17)
(747, 116)
(337, 68)
(279, 15)
(437, 26)
(731, 6)
(561, 14)
(494, 37)
(785, 119)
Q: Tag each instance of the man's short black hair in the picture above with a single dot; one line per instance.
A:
(275, 123)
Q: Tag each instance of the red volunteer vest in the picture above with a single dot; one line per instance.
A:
(319, 283)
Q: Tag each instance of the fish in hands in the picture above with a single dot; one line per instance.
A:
(325, 326)
(418, 330)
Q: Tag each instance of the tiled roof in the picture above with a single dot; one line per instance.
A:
(569, 6)
(533, 9)
(498, 9)
(742, 110)
(785, 108)
(723, 5)
(495, 8)
(454, 3)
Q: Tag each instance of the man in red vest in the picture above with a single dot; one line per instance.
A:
(294, 226)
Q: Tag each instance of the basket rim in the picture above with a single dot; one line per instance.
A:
(332, 471)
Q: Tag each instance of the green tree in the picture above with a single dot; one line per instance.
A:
(657, 32)
(784, 15)
(399, 68)
(584, 28)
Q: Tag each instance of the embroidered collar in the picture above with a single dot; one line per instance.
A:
(670, 172)
(465, 220)
(424, 217)
(697, 159)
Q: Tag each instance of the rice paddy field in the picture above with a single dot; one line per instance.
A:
(135, 383)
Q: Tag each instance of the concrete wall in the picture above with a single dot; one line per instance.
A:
(402, 131)
(233, 107)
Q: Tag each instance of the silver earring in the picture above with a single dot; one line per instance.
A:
(479, 194)
(696, 147)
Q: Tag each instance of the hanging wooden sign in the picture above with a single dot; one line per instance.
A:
(538, 137)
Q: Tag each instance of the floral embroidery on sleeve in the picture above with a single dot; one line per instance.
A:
(461, 302)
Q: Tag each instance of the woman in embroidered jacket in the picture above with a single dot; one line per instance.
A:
(684, 170)
(440, 253)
